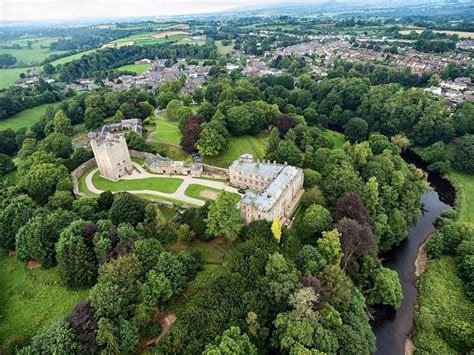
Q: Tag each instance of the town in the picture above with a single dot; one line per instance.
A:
(222, 177)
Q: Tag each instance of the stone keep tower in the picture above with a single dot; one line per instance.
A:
(112, 156)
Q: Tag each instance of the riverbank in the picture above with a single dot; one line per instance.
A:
(441, 298)
(420, 267)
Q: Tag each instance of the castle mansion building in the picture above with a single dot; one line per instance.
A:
(274, 189)
(112, 156)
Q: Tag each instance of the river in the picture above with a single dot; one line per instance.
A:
(391, 327)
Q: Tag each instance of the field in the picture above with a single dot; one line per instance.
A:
(166, 185)
(459, 33)
(9, 76)
(25, 118)
(146, 38)
(254, 145)
(136, 68)
(441, 296)
(72, 57)
(166, 131)
(31, 56)
(30, 300)
(168, 34)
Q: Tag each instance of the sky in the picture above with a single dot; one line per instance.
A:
(74, 9)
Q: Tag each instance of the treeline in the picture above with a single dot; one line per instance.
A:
(17, 99)
(6, 60)
(89, 38)
(95, 64)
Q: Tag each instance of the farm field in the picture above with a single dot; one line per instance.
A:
(254, 145)
(72, 57)
(25, 118)
(143, 39)
(136, 68)
(166, 130)
(461, 34)
(31, 56)
(160, 184)
(30, 300)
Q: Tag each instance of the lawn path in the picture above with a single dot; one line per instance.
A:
(179, 194)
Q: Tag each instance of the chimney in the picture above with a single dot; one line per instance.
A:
(274, 162)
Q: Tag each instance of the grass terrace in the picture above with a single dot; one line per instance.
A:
(160, 184)
(30, 300)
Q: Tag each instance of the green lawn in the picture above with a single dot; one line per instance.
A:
(441, 300)
(25, 118)
(167, 130)
(166, 185)
(196, 191)
(254, 145)
(464, 184)
(136, 68)
(30, 300)
(337, 138)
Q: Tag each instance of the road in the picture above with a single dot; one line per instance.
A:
(179, 194)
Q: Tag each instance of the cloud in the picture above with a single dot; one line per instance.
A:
(70, 9)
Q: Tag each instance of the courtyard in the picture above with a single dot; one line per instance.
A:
(186, 189)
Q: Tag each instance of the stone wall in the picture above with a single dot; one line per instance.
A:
(214, 171)
(78, 172)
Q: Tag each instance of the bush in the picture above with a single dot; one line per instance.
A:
(153, 330)
(435, 246)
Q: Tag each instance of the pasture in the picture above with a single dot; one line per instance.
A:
(461, 34)
(9, 76)
(147, 38)
(29, 56)
(25, 118)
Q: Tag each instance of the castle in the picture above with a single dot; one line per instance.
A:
(112, 156)
(274, 190)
